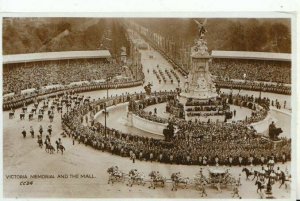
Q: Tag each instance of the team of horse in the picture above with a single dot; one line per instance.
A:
(267, 176)
(157, 180)
(39, 109)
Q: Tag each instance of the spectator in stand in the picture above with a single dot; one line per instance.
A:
(255, 70)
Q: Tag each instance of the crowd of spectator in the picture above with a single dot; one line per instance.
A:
(19, 100)
(254, 86)
(253, 70)
(44, 73)
(195, 143)
(259, 107)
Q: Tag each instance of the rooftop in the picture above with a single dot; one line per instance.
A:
(251, 55)
(47, 56)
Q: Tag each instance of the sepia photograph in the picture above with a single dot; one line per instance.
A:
(147, 107)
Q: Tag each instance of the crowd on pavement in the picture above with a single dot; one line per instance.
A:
(259, 107)
(254, 86)
(195, 143)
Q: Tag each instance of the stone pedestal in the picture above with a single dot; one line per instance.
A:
(199, 92)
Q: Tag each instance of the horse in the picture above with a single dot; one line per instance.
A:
(274, 133)
(137, 177)
(24, 133)
(115, 175)
(30, 116)
(156, 178)
(40, 117)
(24, 109)
(51, 117)
(49, 130)
(32, 133)
(249, 173)
(177, 179)
(61, 148)
(284, 179)
(33, 110)
(22, 116)
(11, 115)
(41, 111)
(59, 108)
(260, 185)
(40, 142)
(49, 148)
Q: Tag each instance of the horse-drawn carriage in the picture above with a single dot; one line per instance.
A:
(115, 175)
(220, 178)
(178, 179)
(136, 177)
(156, 179)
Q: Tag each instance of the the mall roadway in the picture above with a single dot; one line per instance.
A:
(22, 156)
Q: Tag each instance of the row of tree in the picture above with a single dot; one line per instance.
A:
(29, 35)
(268, 35)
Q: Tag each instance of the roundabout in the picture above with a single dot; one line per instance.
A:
(75, 161)
(131, 157)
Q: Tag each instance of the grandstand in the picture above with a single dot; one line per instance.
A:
(50, 56)
(34, 71)
(252, 66)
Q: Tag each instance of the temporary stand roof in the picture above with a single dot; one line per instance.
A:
(48, 56)
(251, 55)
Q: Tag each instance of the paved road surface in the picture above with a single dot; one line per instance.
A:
(23, 156)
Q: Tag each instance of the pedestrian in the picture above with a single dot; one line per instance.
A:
(24, 132)
(239, 183)
(50, 129)
(133, 157)
(240, 160)
(203, 190)
(31, 132)
(151, 157)
(236, 191)
(41, 130)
